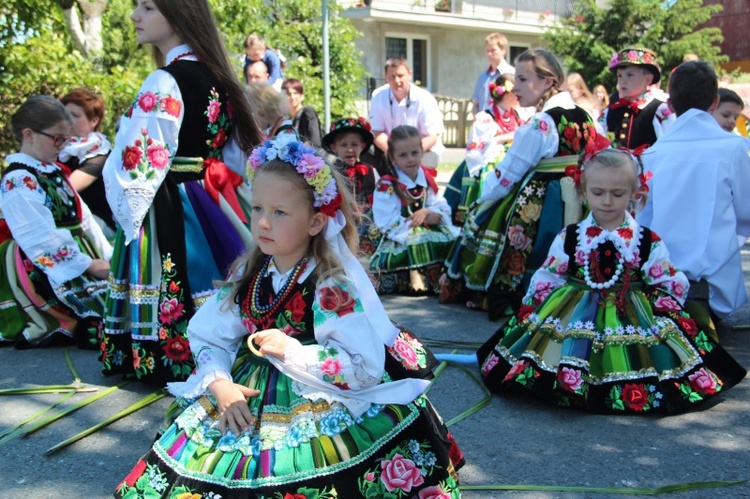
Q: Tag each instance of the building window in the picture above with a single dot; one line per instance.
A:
(515, 51)
(414, 50)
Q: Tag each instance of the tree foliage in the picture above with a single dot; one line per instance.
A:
(38, 54)
(587, 39)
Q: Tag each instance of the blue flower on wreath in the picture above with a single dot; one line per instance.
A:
(413, 446)
(430, 459)
(227, 442)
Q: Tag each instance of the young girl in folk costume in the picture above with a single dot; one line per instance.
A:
(413, 217)
(490, 135)
(53, 255)
(521, 207)
(86, 152)
(313, 410)
(602, 326)
(179, 206)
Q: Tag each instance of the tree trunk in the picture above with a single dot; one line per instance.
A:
(86, 33)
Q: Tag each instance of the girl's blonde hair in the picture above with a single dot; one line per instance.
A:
(618, 158)
(545, 65)
(329, 266)
(603, 103)
(576, 80)
(398, 134)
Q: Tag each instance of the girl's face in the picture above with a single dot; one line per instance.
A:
(45, 144)
(608, 191)
(348, 147)
(509, 100)
(529, 87)
(407, 156)
(574, 90)
(283, 221)
(295, 99)
(726, 115)
(82, 126)
(599, 94)
(152, 27)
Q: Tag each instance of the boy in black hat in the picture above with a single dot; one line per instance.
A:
(348, 138)
(637, 118)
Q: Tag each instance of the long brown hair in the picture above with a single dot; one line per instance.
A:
(194, 23)
(545, 65)
(398, 134)
(328, 264)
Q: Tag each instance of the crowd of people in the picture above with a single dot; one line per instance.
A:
(224, 246)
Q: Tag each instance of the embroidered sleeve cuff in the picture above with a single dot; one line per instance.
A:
(197, 384)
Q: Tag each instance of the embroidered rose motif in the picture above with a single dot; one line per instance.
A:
(297, 307)
(214, 107)
(524, 312)
(635, 396)
(170, 310)
(633, 55)
(338, 301)
(219, 139)
(406, 352)
(434, 492)
(562, 268)
(625, 233)
(158, 156)
(147, 101)
(703, 382)
(331, 367)
(593, 230)
(666, 303)
(505, 182)
(177, 349)
(543, 126)
(131, 157)
(400, 473)
(678, 288)
(689, 326)
(294, 496)
(570, 379)
(171, 106)
(490, 364)
(30, 183)
(656, 271)
(530, 212)
(516, 263)
(517, 369)
(517, 238)
(542, 291)
(580, 257)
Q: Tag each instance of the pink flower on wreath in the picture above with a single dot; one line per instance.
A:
(406, 352)
(158, 156)
(147, 101)
(490, 364)
(580, 257)
(518, 239)
(542, 290)
(703, 382)
(170, 310)
(666, 303)
(562, 268)
(570, 379)
(331, 367)
(633, 55)
(309, 165)
(614, 61)
(214, 107)
(543, 126)
(656, 271)
(434, 492)
(400, 473)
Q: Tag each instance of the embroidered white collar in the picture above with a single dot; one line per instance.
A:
(25, 159)
(180, 50)
(626, 237)
(404, 179)
(95, 144)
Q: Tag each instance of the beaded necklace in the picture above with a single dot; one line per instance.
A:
(183, 55)
(259, 313)
(601, 285)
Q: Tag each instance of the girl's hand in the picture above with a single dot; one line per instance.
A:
(232, 401)
(271, 342)
(99, 269)
(425, 217)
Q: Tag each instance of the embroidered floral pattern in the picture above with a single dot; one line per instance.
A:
(26, 182)
(145, 156)
(522, 373)
(219, 124)
(149, 102)
(410, 352)
(699, 384)
(63, 254)
(335, 302)
(332, 367)
(637, 397)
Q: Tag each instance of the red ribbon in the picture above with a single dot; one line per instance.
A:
(575, 173)
(595, 144)
(219, 179)
(358, 169)
(632, 104)
(429, 175)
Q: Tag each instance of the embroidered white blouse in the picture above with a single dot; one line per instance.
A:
(26, 208)
(345, 365)
(386, 206)
(85, 148)
(657, 271)
(145, 145)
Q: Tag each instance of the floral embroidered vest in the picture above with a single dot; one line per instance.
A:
(206, 123)
(573, 127)
(62, 200)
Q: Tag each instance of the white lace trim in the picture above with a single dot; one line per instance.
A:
(25, 159)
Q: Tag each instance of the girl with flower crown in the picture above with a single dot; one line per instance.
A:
(603, 326)
(174, 183)
(311, 403)
(490, 135)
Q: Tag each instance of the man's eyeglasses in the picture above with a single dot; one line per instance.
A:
(57, 140)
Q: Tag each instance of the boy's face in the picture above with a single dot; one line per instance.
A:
(495, 54)
(633, 81)
(348, 146)
(256, 52)
(726, 115)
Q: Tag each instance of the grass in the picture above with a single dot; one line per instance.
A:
(447, 167)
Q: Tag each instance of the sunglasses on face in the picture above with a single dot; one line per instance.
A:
(57, 140)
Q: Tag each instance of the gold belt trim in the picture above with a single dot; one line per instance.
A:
(181, 164)
(210, 408)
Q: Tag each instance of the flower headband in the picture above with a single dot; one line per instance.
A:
(312, 167)
(596, 143)
(497, 91)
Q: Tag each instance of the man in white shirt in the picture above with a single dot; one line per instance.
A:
(401, 103)
(495, 46)
(698, 198)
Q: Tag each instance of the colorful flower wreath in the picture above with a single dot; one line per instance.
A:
(497, 91)
(312, 167)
